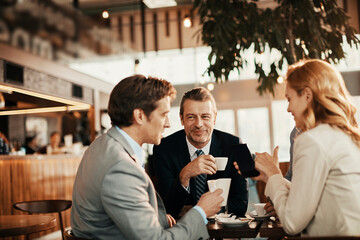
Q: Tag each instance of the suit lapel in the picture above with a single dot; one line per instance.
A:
(159, 207)
(216, 151)
(215, 147)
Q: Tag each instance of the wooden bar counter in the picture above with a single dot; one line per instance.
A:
(36, 177)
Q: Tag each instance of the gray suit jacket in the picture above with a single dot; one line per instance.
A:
(113, 198)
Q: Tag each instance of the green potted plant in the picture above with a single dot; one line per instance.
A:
(297, 29)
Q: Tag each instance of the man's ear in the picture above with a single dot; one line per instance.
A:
(139, 116)
(181, 119)
(308, 95)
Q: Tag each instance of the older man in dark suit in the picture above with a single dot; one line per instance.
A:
(185, 159)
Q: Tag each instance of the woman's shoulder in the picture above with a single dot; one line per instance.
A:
(324, 136)
(325, 130)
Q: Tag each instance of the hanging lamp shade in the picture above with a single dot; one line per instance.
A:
(2, 101)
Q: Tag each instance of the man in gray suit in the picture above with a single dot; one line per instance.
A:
(113, 197)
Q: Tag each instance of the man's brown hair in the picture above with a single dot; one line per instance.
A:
(135, 92)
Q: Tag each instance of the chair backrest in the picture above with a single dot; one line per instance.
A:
(70, 236)
(45, 206)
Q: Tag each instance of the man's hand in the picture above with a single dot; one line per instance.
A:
(202, 164)
(170, 220)
(266, 164)
(269, 208)
(210, 202)
(261, 177)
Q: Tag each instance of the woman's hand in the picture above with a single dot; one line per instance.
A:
(267, 164)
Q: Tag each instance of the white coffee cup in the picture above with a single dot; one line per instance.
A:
(259, 208)
(224, 184)
(68, 139)
(221, 163)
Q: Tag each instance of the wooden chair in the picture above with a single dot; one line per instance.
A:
(70, 236)
(45, 206)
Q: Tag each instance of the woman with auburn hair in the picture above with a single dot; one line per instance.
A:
(323, 198)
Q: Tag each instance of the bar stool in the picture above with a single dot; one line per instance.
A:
(70, 236)
(45, 206)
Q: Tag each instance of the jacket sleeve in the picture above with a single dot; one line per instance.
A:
(296, 205)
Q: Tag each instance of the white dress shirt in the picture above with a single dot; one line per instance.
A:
(192, 149)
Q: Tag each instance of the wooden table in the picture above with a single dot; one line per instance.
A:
(219, 231)
(14, 225)
(272, 229)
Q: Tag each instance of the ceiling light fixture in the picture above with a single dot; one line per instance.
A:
(210, 87)
(136, 67)
(39, 95)
(44, 110)
(73, 105)
(2, 101)
(187, 21)
(280, 79)
(159, 3)
(105, 14)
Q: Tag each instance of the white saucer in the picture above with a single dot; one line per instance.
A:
(257, 217)
(233, 222)
(220, 215)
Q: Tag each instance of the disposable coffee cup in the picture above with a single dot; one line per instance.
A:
(222, 183)
(221, 163)
(259, 209)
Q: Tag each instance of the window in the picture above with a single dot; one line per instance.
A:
(175, 123)
(254, 128)
(283, 123)
(225, 121)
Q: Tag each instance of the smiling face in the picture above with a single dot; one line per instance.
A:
(198, 119)
(157, 122)
(297, 105)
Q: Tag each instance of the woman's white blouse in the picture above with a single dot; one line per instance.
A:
(324, 195)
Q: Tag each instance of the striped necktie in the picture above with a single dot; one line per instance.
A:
(200, 180)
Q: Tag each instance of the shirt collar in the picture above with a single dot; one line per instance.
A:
(192, 149)
(139, 152)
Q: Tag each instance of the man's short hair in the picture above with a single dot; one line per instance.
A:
(197, 94)
(137, 92)
(54, 133)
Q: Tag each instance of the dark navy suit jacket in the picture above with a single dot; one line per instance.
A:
(172, 155)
